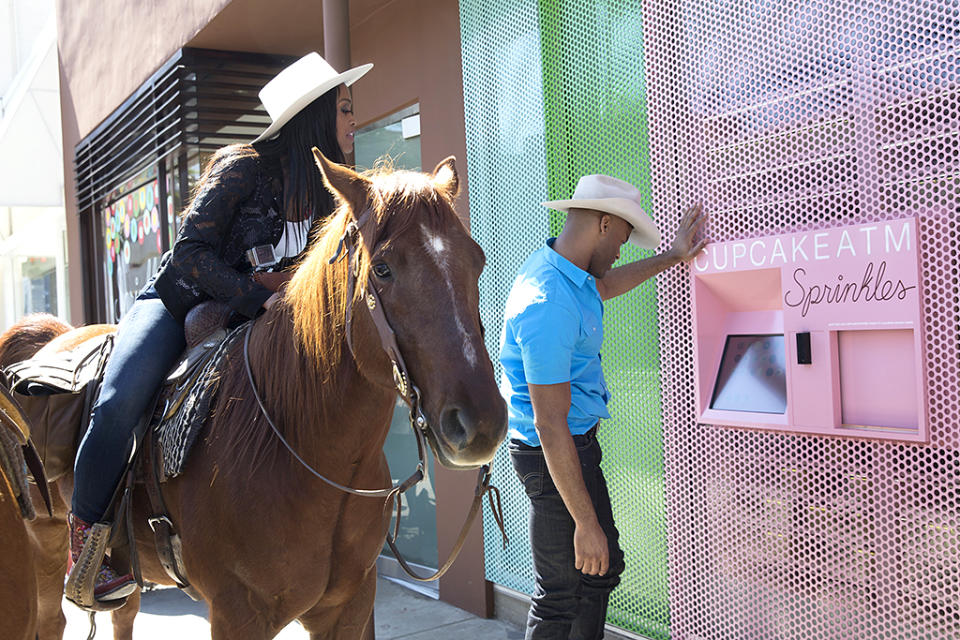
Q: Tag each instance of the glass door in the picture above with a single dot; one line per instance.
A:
(394, 142)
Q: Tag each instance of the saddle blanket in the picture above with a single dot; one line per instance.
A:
(185, 406)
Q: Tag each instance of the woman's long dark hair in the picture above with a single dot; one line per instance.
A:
(315, 126)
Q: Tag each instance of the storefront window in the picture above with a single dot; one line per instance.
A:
(396, 137)
(133, 243)
(39, 285)
(32, 263)
(174, 201)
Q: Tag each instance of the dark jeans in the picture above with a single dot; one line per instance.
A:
(566, 604)
(149, 341)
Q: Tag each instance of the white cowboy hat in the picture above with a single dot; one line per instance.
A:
(616, 197)
(300, 84)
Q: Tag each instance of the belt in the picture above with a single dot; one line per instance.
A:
(578, 439)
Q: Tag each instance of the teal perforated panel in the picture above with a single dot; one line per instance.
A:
(507, 174)
(554, 91)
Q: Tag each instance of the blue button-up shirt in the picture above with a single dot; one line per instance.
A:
(552, 331)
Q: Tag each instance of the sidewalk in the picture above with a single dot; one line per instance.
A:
(399, 613)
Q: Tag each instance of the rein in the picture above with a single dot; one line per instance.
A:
(410, 394)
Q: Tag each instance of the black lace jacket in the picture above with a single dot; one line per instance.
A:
(237, 208)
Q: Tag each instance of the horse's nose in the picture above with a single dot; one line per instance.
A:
(473, 436)
(454, 428)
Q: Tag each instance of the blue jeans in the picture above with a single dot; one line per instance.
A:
(149, 341)
(566, 604)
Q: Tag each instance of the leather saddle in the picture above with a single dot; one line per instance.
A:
(57, 390)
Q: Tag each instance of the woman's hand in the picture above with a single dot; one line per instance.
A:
(272, 280)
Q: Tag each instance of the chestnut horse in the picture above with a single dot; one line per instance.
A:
(18, 580)
(264, 541)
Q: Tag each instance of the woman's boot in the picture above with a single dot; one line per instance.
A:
(88, 544)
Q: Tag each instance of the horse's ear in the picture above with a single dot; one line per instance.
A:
(445, 177)
(343, 182)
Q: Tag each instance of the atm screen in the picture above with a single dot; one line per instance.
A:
(752, 375)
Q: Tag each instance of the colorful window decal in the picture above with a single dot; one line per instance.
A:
(132, 245)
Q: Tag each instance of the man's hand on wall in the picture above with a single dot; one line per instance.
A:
(684, 248)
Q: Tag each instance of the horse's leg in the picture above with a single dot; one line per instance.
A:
(50, 540)
(351, 621)
(240, 618)
(122, 618)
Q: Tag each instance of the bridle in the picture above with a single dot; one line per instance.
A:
(409, 392)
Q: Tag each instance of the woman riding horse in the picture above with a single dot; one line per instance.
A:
(250, 218)
(283, 506)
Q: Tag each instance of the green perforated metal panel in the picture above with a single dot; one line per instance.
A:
(554, 91)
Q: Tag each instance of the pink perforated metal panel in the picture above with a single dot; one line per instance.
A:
(785, 117)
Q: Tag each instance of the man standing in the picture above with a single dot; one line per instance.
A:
(555, 392)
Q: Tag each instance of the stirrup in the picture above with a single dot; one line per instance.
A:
(83, 576)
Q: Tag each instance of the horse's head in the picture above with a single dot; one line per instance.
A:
(424, 266)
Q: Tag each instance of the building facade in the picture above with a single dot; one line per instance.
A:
(801, 118)
(837, 516)
(149, 91)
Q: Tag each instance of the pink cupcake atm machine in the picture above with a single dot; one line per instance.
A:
(816, 332)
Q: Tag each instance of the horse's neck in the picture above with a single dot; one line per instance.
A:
(342, 415)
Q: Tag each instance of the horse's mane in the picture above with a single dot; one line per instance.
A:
(317, 296)
(299, 346)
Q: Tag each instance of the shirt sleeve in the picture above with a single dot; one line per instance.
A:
(196, 253)
(547, 334)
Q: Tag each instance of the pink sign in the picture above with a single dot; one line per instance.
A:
(816, 332)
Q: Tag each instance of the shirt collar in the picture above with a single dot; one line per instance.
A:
(575, 274)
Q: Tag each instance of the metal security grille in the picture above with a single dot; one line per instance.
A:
(198, 97)
(198, 101)
(779, 117)
(507, 174)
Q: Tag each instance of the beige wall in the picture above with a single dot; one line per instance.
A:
(415, 48)
(107, 49)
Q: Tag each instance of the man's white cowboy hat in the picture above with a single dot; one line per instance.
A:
(300, 84)
(616, 197)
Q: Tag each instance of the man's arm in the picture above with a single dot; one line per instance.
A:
(551, 404)
(622, 279)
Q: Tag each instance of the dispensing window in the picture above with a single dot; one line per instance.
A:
(752, 375)
(877, 374)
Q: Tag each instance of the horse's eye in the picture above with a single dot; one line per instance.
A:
(381, 270)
